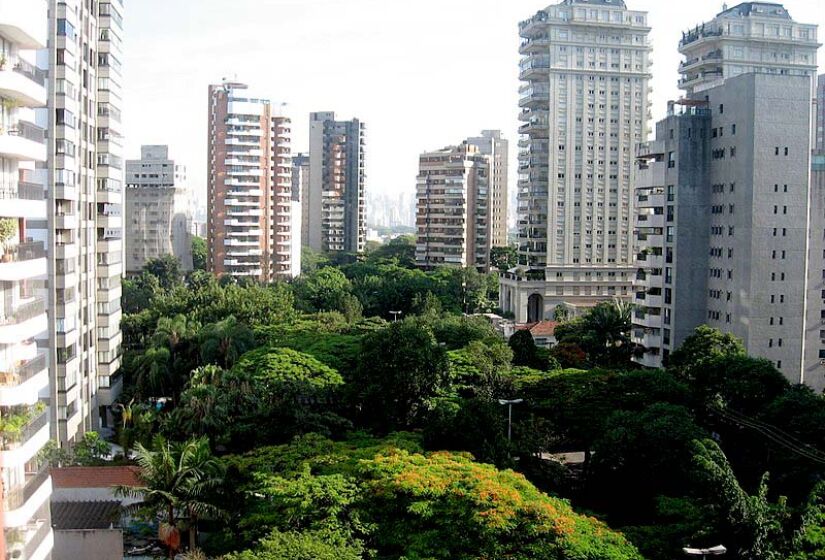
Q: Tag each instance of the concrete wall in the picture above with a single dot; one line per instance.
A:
(95, 544)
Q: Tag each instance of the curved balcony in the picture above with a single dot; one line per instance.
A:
(22, 261)
(22, 383)
(24, 141)
(24, 23)
(24, 83)
(25, 322)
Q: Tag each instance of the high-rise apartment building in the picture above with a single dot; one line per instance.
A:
(814, 374)
(84, 175)
(25, 486)
(726, 217)
(453, 211)
(819, 120)
(752, 37)
(584, 99)
(493, 144)
(335, 217)
(300, 190)
(158, 210)
(250, 186)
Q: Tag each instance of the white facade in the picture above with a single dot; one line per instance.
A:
(158, 210)
(584, 99)
(25, 485)
(752, 37)
(494, 145)
(84, 228)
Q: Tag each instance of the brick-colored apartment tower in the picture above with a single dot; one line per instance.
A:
(249, 186)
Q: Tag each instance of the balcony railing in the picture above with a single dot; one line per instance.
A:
(24, 313)
(29, 131)
(29, 431)
(16, 497)
(32, 72)
(23, 191)
(23, 372)
(23, 252)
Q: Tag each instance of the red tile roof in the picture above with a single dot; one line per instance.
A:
(540, 329)
(95, 477)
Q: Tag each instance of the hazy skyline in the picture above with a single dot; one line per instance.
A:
(421, 75)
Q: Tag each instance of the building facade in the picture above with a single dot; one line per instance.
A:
(752, 37)
(819, 122)
(335, 217)
(814, 374)
(493, 144)
(734, 243)
(249, 229)
(453, 211)
(300, 190)
(25, 485)
(84, 228)
(158, 210)
(585, 70)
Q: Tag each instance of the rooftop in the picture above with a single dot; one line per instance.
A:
(78, 516)
(95, 477)
(540, 329)
(763, 9)
(617, 3)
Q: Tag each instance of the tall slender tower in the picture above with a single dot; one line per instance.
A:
(25, 486)
(584, 99)
(493, 144)
(335, 218)
(250, 186)
(85, 178)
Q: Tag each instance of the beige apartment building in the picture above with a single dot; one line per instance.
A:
(453, 208)
(158, 210)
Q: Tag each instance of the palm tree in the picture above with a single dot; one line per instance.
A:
(222, 343)
(170, 332)
(176, 479)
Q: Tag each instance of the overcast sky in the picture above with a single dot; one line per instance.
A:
(422, 74)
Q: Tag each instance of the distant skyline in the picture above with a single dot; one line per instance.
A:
(421, 75)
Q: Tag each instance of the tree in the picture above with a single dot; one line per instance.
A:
(323, 290)
(222, 343)
(503, 258)
(91, 450)
(809, 541)
(199, 253)
(603, 333)
(166, 269)
(402, 367)
(404, 504)
(304, 545)
(175, 479)
(751, 525)
(525, 352)
(400, 250)
(699, 349)
(139, 293)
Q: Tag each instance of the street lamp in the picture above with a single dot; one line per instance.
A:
(705, 552)
(509, 405)
(395, 315)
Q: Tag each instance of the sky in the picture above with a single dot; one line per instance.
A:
(421, 74)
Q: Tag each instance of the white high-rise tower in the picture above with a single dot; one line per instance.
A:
(585, 73)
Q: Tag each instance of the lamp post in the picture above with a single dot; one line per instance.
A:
(509, 404)
(705, 552)
(395, 315)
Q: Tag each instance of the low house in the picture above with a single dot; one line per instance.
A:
(87, 530)
(86, 513)
(544, 332)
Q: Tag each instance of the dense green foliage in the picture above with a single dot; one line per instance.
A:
(301, 392)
